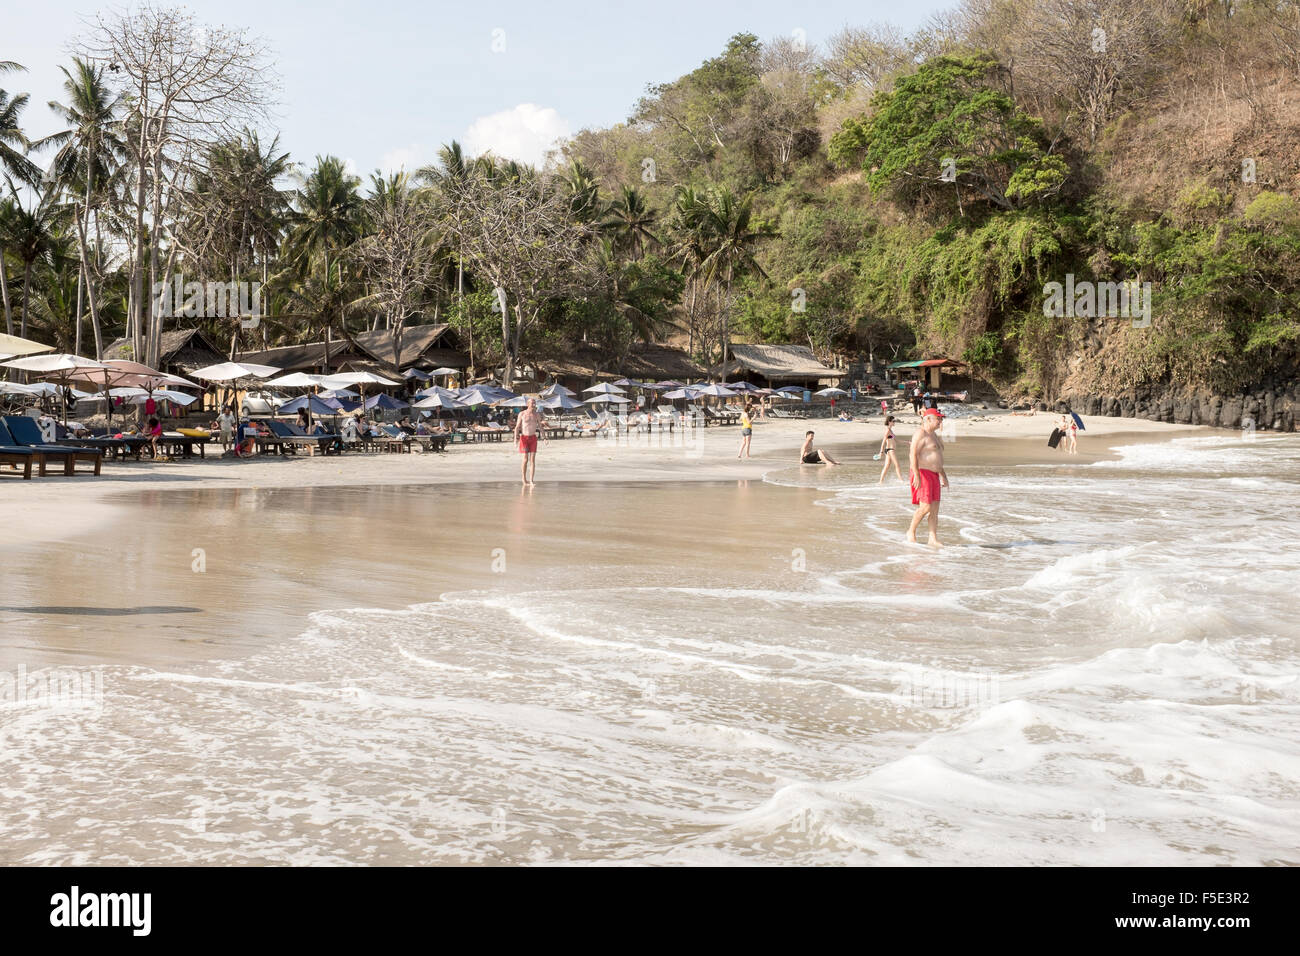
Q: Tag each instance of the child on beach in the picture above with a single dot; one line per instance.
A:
(925, 464)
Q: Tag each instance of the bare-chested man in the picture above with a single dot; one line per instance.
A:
(527, 429)
(925, 462)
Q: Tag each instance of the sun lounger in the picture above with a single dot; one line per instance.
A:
(24, 432)
(293, 437)
(16, 455)
(118, 447)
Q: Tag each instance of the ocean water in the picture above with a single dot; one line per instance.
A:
(1100, 668)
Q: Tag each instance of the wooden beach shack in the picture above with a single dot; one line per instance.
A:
(929, 371)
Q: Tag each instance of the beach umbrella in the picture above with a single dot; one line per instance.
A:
(337, 393)
(385, 402)
(832, 392)
(343, 379)
(14, 388)
(555, 388)
(717, 391)
(314, 404)
(231, 373)
(604, 388)
(295, 380)
(438, 372)
(629, 383)
(165, 394)
(472, 397)
(58, 366)
(607, 400)
(439, 401)
(560, 401)
(743, 387)
(519, 401)
(11, 346)
(670, 384)
(680, 393)
(437, 390)
(415, 373)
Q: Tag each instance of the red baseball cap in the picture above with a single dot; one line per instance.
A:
(931, 411)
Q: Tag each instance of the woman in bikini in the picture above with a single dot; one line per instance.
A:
(887, 452)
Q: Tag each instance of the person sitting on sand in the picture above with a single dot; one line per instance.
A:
(925, 465)
(811, 456)
(888, 451)
(845, 417)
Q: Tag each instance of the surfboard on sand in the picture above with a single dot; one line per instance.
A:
(1055, 439)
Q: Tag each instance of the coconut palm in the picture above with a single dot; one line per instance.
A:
(13, 144)
(329, 212)
(30, 236)
(89, 152)
(629, 221)
(730, 235)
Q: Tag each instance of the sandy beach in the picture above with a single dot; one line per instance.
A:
(658, 655)
(56, 507)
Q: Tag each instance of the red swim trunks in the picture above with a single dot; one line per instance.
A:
(527, 443)
(927, 487)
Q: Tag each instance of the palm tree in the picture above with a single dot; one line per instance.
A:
(13, 144)
(89, 151)
(30, 235)
(630, 219)
(730, 235)
(584, 192)
(689, 225)
(14, 164)
(329, 216)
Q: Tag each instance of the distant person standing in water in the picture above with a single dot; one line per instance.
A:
(925, 462)
(528, 429)
(888, 451)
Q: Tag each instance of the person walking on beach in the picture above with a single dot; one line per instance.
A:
(527, 430)
(925, 465)
(888, 451)
(916, 400)
(746, 430)
(811, 456)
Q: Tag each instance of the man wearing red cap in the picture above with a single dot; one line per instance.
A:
(926, 466)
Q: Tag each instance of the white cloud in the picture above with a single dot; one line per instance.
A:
(408, 158)
(524, 133)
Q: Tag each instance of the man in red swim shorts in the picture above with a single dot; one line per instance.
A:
(927, 475)
(527, 430)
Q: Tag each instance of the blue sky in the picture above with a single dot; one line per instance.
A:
(384, 83)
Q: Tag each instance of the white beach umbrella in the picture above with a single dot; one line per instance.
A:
(604, 388)
(607, 400)
(295, 380)
(355, 378)
(445, 371)
(12, 345)
(555, 388)
(832, 392)
(233, 371)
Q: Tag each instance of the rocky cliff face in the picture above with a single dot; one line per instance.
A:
(1271, 406)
